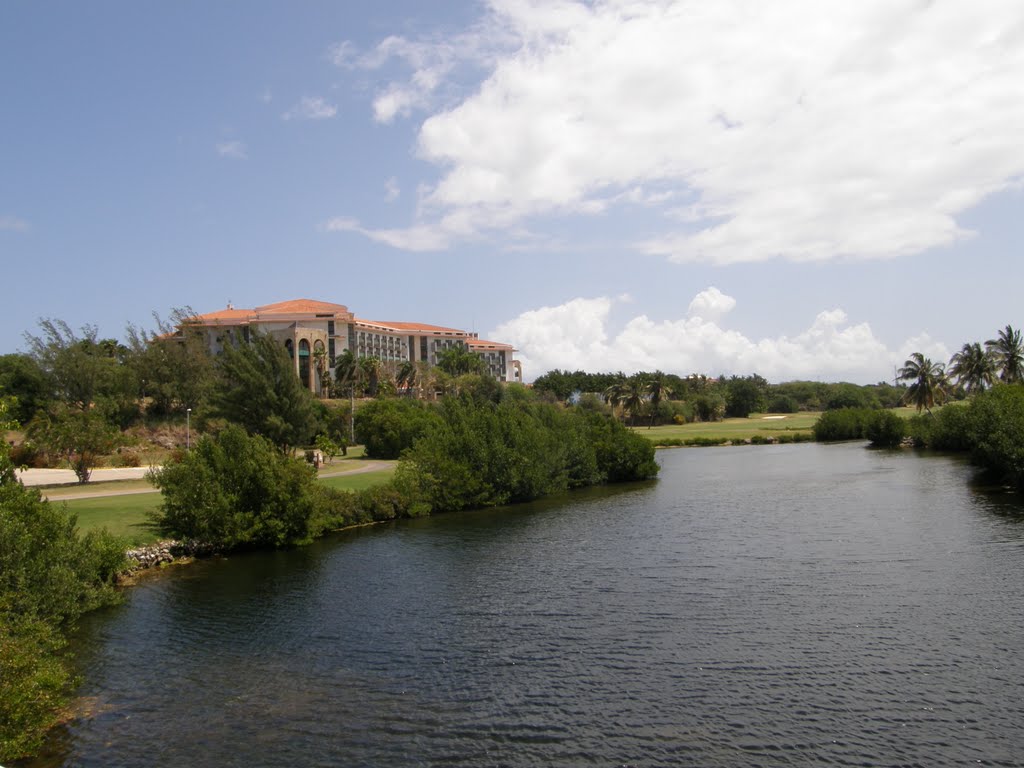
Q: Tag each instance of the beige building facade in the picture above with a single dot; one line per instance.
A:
(317, 333)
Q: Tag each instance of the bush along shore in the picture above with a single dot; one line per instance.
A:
(236, 490)
(989, 428)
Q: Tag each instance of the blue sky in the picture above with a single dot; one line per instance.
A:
(801, 189)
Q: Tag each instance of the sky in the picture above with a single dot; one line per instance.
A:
(802, 189)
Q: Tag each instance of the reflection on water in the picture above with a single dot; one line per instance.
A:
(784, 605)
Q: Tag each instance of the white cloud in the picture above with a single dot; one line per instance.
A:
(409, 239)
(711, 304)
(233, 149)
(311, 108)
(794, 129)
(392, 190)
(577, 335)
(931, 348)
(13, 224)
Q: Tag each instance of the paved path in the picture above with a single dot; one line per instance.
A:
(43, 477)
(63, 476)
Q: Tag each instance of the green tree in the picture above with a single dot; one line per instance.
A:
(21, 377)
(347, 372)
(235, 490)
(173, 364)
(458, 360)
(81, 438)
(656, 386)
(258, 390)
(744, 396)
(84, 370)
(973, 368)
(615, 393)
(927, 381)
(634, 398)
(388, 427)
(407, 376)
(371, 370)
(1007, 350)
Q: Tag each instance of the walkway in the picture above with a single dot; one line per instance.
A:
(38, 477)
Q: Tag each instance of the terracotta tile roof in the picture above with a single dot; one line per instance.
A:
(223, 315)
(292, 307)
(401, 326)
(302, 306)
(485, 343)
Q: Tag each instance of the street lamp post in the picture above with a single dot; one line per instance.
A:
(188, 429)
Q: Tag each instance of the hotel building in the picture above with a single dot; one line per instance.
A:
(312, 330)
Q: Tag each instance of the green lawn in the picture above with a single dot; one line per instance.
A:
(734, 429)
(742, 429)
(121, 515)
(127, 515)
(359, 481)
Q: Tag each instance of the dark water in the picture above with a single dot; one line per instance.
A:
(787, 605)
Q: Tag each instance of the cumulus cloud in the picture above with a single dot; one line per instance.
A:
(793, 129)
(711, 304)
(13, 224)
(311, 108)
(576, 334)
(233, 149)
(931, 348)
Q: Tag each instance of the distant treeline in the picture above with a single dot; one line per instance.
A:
(702, 398)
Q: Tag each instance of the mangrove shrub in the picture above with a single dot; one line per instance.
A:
(236, 490)
(388, 427)
(49, 576)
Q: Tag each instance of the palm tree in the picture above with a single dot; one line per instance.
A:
(656, 386)
(928, 381)
(1008, 351)
(973, 367)
(616, 393)
(634, 397)
(348, 375)
(406, 378)
(371, 369)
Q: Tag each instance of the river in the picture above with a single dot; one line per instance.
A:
(756, 606)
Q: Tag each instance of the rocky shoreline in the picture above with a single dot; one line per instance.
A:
(166, 552)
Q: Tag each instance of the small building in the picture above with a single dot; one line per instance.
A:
(316, 333)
